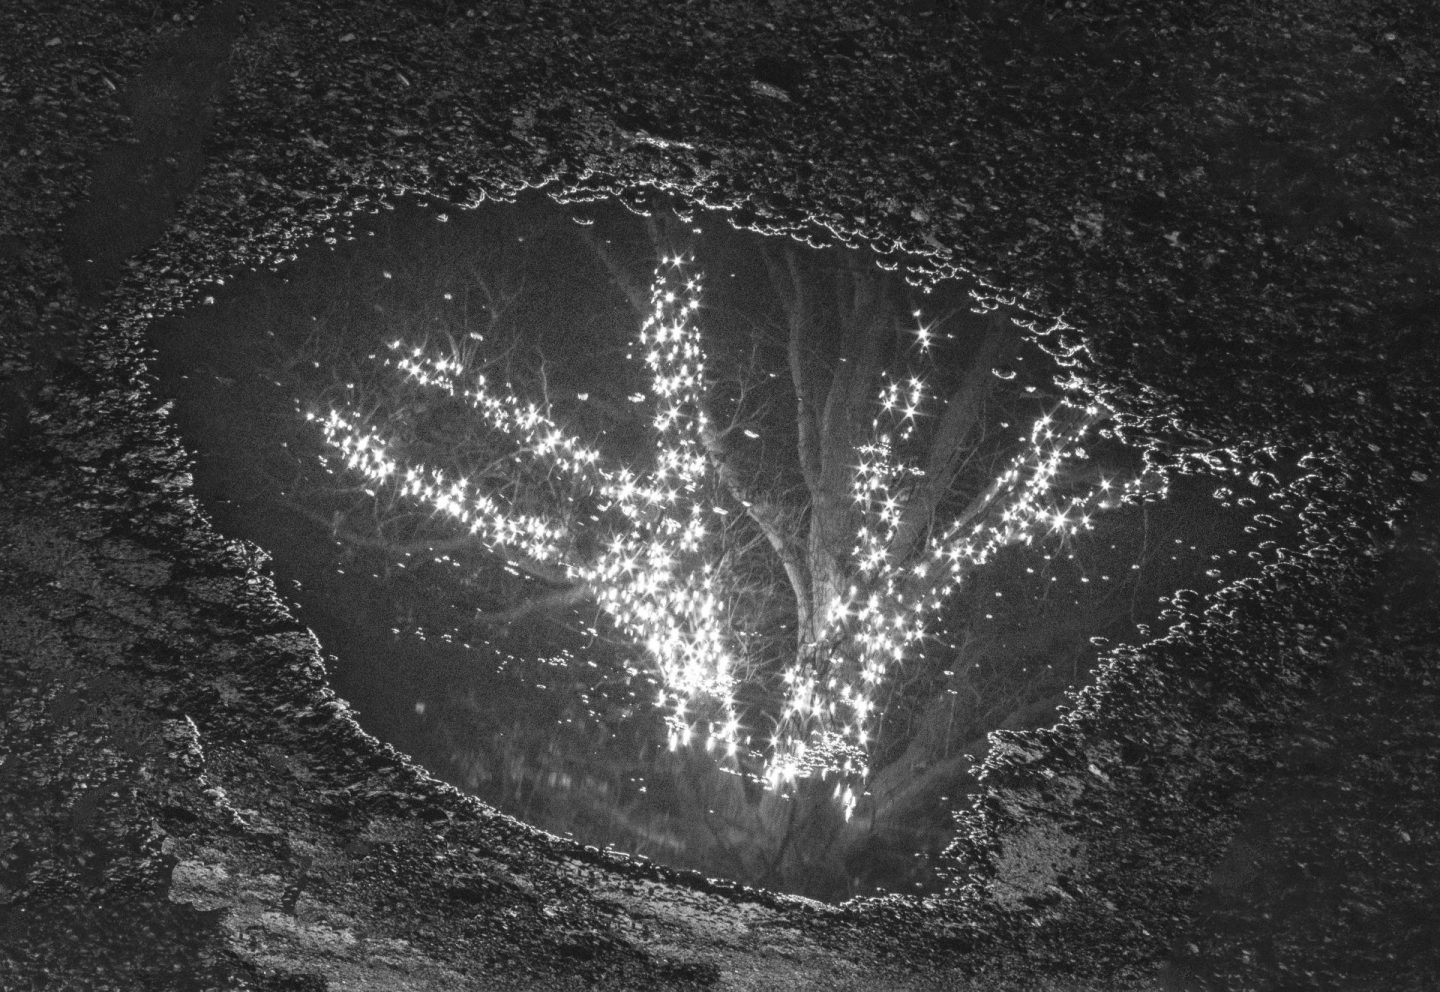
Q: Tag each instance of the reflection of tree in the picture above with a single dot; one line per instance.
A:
(493, 304)
(778, 534)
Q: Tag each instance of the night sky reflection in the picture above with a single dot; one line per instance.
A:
(550, 715)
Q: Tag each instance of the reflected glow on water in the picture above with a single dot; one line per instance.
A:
(676, 571)
(657, 568)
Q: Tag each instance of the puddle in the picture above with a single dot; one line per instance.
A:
(595, 631)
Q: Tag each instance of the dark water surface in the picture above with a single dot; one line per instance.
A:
(549, 714)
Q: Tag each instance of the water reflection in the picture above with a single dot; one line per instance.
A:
(497, 676)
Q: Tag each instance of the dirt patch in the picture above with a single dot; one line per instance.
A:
(137, 184)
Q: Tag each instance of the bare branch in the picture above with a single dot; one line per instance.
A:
(549, 575)
(872, 323)
(791, 289)
(768, 517)
(952, 440)
(638, 298)
(554, 599)
(334, 523)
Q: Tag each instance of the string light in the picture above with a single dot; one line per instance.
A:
(654, 572)
(652, 576)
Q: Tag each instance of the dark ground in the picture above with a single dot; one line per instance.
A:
(1237, 209)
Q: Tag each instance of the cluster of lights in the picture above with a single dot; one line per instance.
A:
(655, 573)
(896, 593)
(653, 576)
